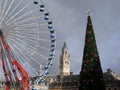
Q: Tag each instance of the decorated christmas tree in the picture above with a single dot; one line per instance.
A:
(91, 76)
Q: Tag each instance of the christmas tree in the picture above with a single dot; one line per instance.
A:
(91, 76)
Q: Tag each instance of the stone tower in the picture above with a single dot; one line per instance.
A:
(65, 62)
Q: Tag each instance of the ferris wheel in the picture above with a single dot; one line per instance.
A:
(27, 39)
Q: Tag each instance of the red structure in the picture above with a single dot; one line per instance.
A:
(11, 67)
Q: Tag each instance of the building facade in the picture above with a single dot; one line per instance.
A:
(71, 82)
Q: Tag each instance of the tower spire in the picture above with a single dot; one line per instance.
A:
(65, 44)
(91, 76)
(65, 62)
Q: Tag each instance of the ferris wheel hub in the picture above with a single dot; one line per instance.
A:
(0, 26)
(0, 32)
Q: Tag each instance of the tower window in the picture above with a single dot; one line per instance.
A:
(66, 62)
(65, 52)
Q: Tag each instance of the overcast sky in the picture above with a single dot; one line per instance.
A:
(70, 20)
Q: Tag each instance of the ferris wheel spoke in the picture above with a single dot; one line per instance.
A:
(23, 59)
(2, 73)
(0, 6)
(22, 54)
(29, 25)
(19, 18)
(3, 9)
(26, 25)
(8, 66)
(21, 44)
(17, 5)
(31, 39)
(28, 35)
(39, 39)
(17, 53)
(18, 12)
(44, 48)
(27, 19)
(25, 30)
(6, 13)
(29, 53)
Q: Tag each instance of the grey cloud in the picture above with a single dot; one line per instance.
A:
(70, 23)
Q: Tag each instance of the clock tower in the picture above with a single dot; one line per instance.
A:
(65, 62)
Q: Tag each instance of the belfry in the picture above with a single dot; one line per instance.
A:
(65, 62)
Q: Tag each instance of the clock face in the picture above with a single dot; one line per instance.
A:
(66, 62)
